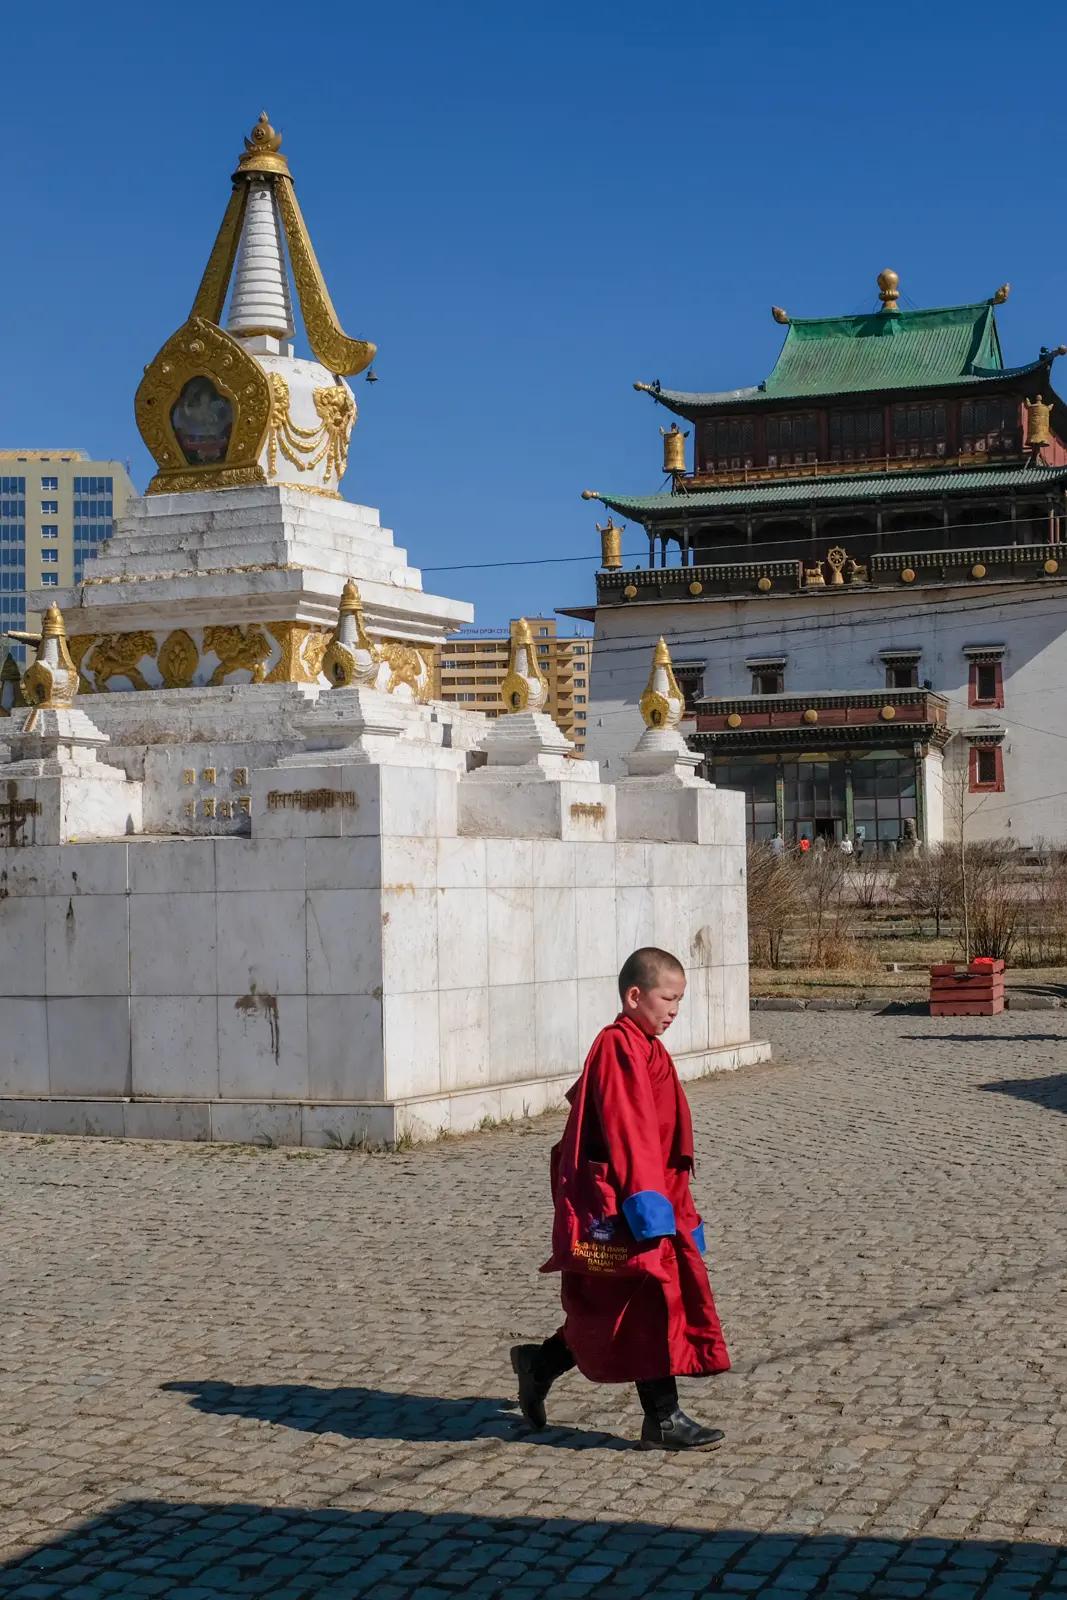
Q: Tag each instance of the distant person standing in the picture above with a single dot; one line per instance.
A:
(804, 844)
(845, 845)
(778, 847)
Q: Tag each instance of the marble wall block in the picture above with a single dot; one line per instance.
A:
(462, 938)
(262, 942)
(511, 935)
(559, 1048)
(23, 1042)
(555, 945)
(175, 1046)
(346, 1059)
(89, 1045)
(512, 1032)
(263, 1046)
(412, 1045)
(464, 1023)
(344, 941)
(22, 945)
(87, 944)
(173, 949)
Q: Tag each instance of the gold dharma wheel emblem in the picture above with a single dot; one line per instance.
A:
(835, 560)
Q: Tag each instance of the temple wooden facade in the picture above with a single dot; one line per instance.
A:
(891, 473)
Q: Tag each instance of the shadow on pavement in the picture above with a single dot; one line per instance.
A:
(1050, 1092)
(357, 1413)
(986, 1038)
(220, 1552)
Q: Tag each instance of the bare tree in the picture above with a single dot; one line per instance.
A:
(773, 902)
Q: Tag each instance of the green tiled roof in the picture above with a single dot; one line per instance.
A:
(815, 491)
(881, 351)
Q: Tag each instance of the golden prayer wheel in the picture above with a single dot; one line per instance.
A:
(674, 448)
(610, 545)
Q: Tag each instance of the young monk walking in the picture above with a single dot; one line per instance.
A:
(626, 1237)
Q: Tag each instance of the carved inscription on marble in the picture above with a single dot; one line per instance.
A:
(13, 814)
(311, 800)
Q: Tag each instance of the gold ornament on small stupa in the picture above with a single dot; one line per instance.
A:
(50, 683)
(11, 697)
(525, 687)
(663, 702)
(350, 657)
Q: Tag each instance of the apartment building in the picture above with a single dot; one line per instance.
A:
(56, 508)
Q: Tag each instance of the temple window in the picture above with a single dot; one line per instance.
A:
(856, 435)
(986, 766)
(990, 427)
(793, 439)
(985, 683)
(901, 668)
(768, 680)
(728, 443)
(919, 430)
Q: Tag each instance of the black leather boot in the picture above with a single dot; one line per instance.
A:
(678, 1432)
(533, 1387)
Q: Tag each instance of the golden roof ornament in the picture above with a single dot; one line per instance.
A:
(780, 315)
(889, 289)
(663, 702)
(525, 687)
(350, 657)
(11, 697)
(1038, 416)
(50, 683)
(610, 544)
(262, 147)
(1002, 294)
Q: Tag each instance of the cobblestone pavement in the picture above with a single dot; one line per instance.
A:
(228, 1372)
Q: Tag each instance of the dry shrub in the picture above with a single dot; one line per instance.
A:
(773, 901)
(928, 883)
(996, 900)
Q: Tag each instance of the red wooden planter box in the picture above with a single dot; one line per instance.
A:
(976, 991)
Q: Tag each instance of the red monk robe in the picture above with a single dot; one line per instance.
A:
(626, 1236)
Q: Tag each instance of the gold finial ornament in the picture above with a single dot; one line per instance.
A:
(350, 657)
(780, 315)
(1002, 294)
(610, 545)
(525, 687)
(662, 703)
(262, 147)
(674, 449)
(11, 696)
(50, 683)
(1038, 416)
(889, 289)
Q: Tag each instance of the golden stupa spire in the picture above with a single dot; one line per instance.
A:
(663, 702)
(525, 687)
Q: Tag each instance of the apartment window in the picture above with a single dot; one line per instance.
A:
(49, 530)
(579, 683)
(49, 484)
(49, 508)
(50, 580)
(542, 633)
(985, 684)
(986, 768)
(579, 699)
(50, 555)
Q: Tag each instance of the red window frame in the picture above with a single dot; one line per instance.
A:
(975, 784)
(973, 699)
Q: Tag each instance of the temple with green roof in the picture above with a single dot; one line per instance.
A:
(892, 467)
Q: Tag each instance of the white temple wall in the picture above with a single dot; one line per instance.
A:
(832, 642)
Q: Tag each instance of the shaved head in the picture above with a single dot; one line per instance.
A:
(647, 967)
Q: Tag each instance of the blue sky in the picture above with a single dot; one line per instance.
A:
(526, 206)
